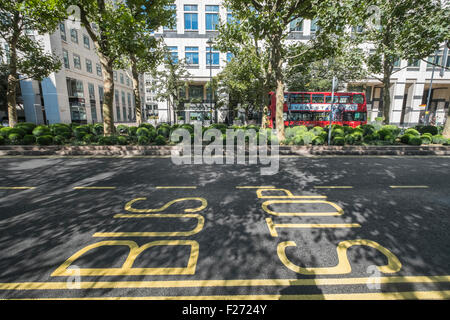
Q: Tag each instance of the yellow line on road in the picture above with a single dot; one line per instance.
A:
(406, 295)
(333, 187)
(17, 188)
(224, 283)
(408, 187)
(176, 187)
(255, 187)
(94, 188)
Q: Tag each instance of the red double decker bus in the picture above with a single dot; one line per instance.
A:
(313, 109)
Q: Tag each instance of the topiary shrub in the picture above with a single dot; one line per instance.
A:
(318, 141)
(438, 139)
(89, 138)
(348, 130)
(44, 140)
(132, 131)
(122, 140)
(107, 140)
(392, 129)
(60, 129)
(412, 131)
(188, 127)
(4, 132)
(80, 131)
(446, 143)
(289, 133)
(28, 127)
(2, 140)
(349, 139)
(415, 141)
(41, 131)
(338, 141)
(143, 132)
(433, 130)
(298, 140)
(164, 131)
(143, 140)
(389, 138)
(427, 134)
(160, 140)
(29, 139)
(367, 129)
(338, 133)
(59, 140)
(14, 138)
(371, 137)
(308, 137)
(97, 129)
(426, 139)
(317, 130)
(122, 129)
(405, 138)
(357, 135)
(147, 126)
(17, 131)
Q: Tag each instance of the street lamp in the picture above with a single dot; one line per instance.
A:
(210, 43)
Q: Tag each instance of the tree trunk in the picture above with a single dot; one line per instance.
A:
(387, 72)
(446, 131)
(278, 72)
(137, 97)
(108, 84)
(13, 78)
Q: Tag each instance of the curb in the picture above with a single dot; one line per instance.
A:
(438, 150)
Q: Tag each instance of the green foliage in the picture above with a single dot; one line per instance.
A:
(143, 132)
(97, 129)
(89, 138)
(371, 137)
(390, 130)
(4, 132)
(15, 138)
(41, 131)
(29, 139)
(17, 130)
(188, 127)
(433, 130)
(163, 131)
(26, 126)
(439, 139)
(298, 140)
(338, 132)
(317, 130)
(349, 139)
(317, 141)
(368, 129)
(107, 140)
(122, 129)
(122, 140)
(160, 140)
(143, 140)
(59, 140)
(59, 129)
(415, 141)
(406, 137)
(43, 140)
(147, 126)
(132, 131)
(426, 139)
(338, 141)
(2, 140)
(412, 131)
(80, 131)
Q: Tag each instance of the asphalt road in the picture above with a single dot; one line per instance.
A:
(203, 231)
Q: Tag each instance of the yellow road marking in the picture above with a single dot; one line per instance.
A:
(333, 187)
(266, 205)
(177, 187)
(405, 295)
(16, 188)
(273, 226)
(204, 204)
(398, 187)
(93, 188)
(225, 283)
(255, 187)
(288, 195)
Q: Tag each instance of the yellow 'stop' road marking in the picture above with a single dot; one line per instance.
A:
(224, 283)
(406, 295)
(16, 188)
(94, 188)
(398, 187)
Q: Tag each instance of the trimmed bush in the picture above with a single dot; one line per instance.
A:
(80, 131)
(28, 127)
(132, 131)
(447, 143)
(348, 130)
(349, 139)
(427, 134)
(393, 129)
(438, 139)
(389, 138)
(338, 141)
(41, 131)
(188, 127)
(308, 137)
(17, 131)
(298, 140)
(107, 140)
(15, 138)
(122, 129)
(59, 129)
(97, 129)
(29, 139)
(160, 140)
(412, 131)
(289, 133)
(146, 126)
(2, 140)
(122, 140)
(338, 133)
(89, 138)
(367, 129)
(415, 141)
(143, 140)
(317, 130)
(43, 140)
(371, 137)
(358, 136)
(143, 132)
(405, 138)
(433, 130)
(165, 131)
(426, 139)
(318, 141)
(59, 140)
(4, 132)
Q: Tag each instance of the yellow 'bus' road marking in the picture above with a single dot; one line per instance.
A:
(17, 188)
(94, 188)
(224, 283)
(406, 295)
(176, 187)
(333, 187)
(399, 187)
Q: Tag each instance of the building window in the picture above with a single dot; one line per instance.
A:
(212, 58)
(414, 63)
(190, 18)
(115, 75)
(212, 17)
(397, 62)
(101, 97)
(88, 65)
(76, 61)
(66, 59)
(191, 55)
(75, 88)
(229, 56)
(74, 35)
(174, 15)
(121, 78)
(92, 101)
(195, 92)
(314, 26)
(129, 99)
(86, 42)
(434, 59)
(296, 25)
(99, 69)
(62, 30)
(116, 98)
(128, 81)
(173, 52)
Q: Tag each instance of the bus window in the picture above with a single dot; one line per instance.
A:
(285, 98)
(317, 98)
(358, 98)
(321, 116)
(305, 98)
(295, 98)
(328, 99)
(355, 116)
(344, 99)
(304, 116)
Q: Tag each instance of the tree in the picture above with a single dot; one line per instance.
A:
(270, 19)
(106, 22)
(170, 81)
(408, 29)
(140, 48)
(26, 56)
